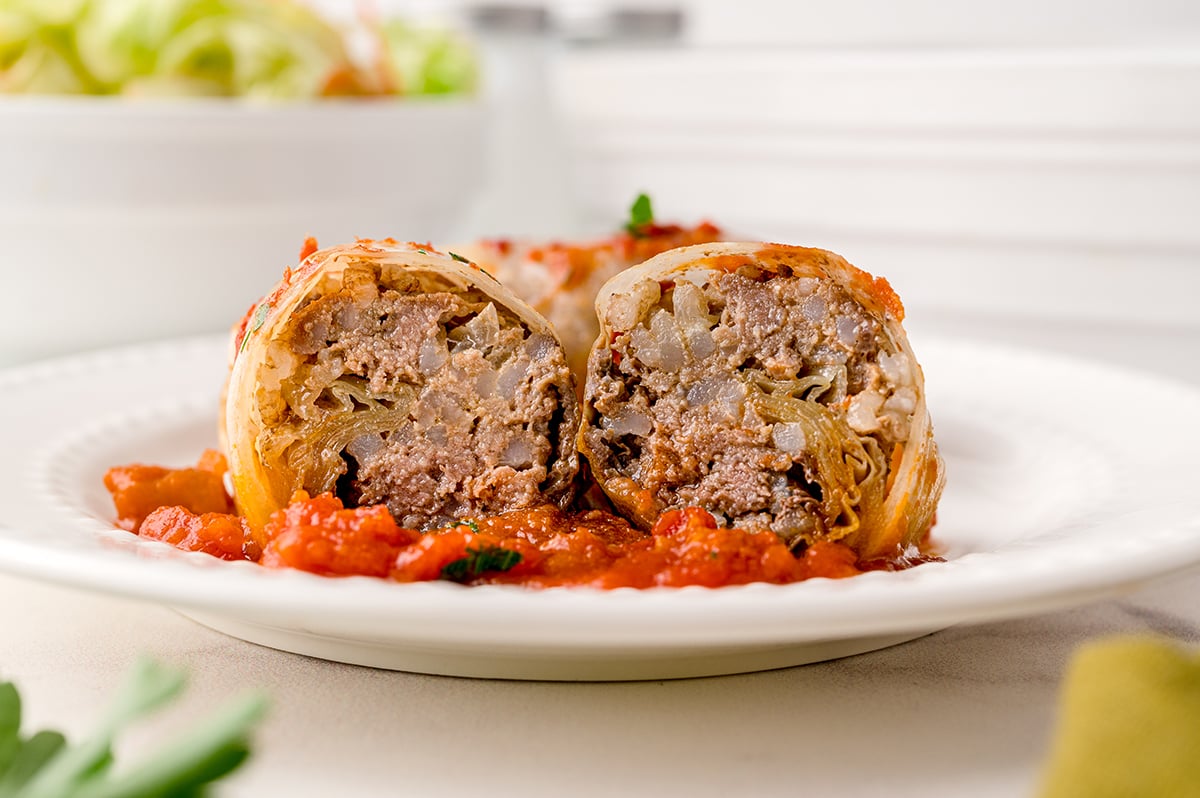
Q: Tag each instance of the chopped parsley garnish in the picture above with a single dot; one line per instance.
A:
(423, 252)
(260, 316)
(459, 258)
(469, 524)
(477, 561)
(641, 215)
(44, 765)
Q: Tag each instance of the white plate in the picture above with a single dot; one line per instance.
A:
(1067, 482)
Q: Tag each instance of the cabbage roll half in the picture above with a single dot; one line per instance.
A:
(771, 385)
(392, 373)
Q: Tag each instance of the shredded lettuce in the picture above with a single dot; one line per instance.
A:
(37, 48)
(263, 49)
(428, 60)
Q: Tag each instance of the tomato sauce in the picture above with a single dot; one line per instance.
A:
(537, 548)
(572, 264)
(137, 490)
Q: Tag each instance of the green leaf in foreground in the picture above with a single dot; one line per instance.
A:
(10, 715)
(44, 766)
(31, 757)
(477, 561)
(641, 214)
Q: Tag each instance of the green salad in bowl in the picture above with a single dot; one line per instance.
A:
(264, 49)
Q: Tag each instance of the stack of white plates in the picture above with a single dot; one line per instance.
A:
(1043, 181)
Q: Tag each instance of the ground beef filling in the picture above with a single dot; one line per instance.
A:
(460, 404)
(674, 396)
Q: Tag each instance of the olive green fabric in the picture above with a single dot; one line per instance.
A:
(1129, 723)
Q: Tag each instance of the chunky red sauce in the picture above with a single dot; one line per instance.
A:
(138, 490)
(542, 547)
(574, 263)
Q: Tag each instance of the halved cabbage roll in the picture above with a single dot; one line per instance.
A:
(561, 279)
(771, 385)
(392, 373)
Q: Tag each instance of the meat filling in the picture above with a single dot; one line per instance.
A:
(440, 404)
(774, 403)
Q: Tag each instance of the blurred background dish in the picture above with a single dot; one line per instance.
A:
(224, 133)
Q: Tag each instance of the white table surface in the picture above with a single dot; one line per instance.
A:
(966, 711)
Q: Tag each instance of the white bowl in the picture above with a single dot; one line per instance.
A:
(124, 221)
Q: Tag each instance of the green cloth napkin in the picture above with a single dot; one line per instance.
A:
(1129, 723)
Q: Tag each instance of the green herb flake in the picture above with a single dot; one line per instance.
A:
(260, 317)
(712, 555)
(459, 258)
(479, 560)
(423, 252)
(641, 215)
(469, 524)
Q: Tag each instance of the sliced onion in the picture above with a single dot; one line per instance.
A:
(863, 413)
(789, 438)
(625, 309)
(731, 398)
(704, 392)
(896, 368)
(448, 411)
(517, 454)
(815, 309)
(311, 338)
(364, 446)
(721, 394)
(433, 355)
(423, 415)
(628, 422)
(829, 355)
(348, 317)
(485, 383)
(903, 401)
(645, 347)
(540, 346)
(666, 336)
(847, 331)
(691, 314)
(512, 375)
(806, 285)
(483, 331)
